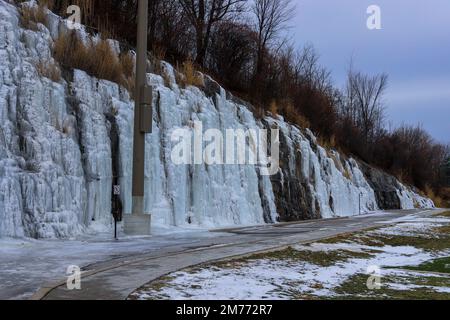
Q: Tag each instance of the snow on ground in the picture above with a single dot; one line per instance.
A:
(267, 278)
(407, 228)
(402, 286)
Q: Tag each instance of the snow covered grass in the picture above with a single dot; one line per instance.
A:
(445, 214)
(412, 258)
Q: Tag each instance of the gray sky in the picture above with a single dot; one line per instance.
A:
(413, 47)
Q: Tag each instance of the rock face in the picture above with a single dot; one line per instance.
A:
(57, 166)
(390, 193)
(385, 187)
(315, 183)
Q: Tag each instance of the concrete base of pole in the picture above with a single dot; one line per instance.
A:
(138, 223)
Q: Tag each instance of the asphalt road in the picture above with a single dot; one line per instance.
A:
(116, 276)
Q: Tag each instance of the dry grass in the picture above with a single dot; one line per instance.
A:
(188, 76)
(273, 108)
(438, 202)
(49, 4)
(126, 62)
(327, 144)
(444, 214)
(50, 70)
(105, 62)
(444, 193)
(347, 174)
(166, 79)
(97, 58)
(159, 53)
(32, 15)
(294, 116)
(156, 56)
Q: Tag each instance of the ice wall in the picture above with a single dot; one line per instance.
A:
(55, 153)
(214, 195)
(42, 185)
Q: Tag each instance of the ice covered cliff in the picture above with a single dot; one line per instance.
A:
(56, 160)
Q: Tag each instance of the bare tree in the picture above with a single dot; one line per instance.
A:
(272, 17)
(170, 34)
(364, 102)
(418, 156)
(231, 54)
(203, 15)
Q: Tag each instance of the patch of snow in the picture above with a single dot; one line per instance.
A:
(413, 226)
(410, 287)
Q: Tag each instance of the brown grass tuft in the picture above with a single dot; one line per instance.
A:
(273, 108)
(32, 15)
(327, 144)
(347, 174)
(294, 116)
(438, 202)
(50, 70)
(188, 76)
(97, 58)
(49, 4)
(127, 63)
(156, 56)
(159, 53)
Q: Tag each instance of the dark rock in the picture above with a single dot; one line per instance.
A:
(239, 101)
(211, 87)
(293, 197)
(384, 185)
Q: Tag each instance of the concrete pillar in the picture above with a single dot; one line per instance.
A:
(139, 222)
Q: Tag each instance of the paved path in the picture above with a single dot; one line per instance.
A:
(117, 278)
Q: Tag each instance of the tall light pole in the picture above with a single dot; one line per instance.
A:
(139, 222)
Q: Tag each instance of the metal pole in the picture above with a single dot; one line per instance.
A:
(360, 195)
(138, 223)
(139, 137)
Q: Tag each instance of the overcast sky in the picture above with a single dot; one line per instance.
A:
(413, 47)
